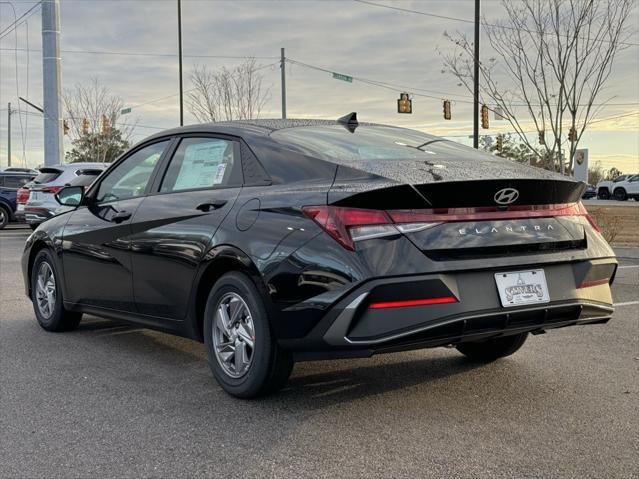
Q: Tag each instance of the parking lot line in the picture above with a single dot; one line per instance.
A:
(626, 303)
(629, 266)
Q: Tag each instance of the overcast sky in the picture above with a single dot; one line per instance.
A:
(343, 36)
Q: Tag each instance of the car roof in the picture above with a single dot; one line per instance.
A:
(263, 127)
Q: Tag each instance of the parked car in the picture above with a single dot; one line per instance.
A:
(40, 205)
(627, 188)
(606, 187)
(10, 183)
(274, 241)
(589, 192)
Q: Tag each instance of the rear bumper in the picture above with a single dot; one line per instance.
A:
(35, 215)
(352, 329)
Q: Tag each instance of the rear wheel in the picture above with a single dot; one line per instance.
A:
(492, 349)
(620, 194)
(242, 353)
(5, 216)
(603, 194)
(46, 296)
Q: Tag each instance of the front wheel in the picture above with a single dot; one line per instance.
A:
(492, 349)
(242, 352)
(46, 296)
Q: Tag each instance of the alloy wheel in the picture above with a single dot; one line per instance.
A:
(45, 290)
(233, 335)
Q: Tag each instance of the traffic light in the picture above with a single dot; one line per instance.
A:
(500, 143)
(447, 115)
(105, 124)
(572, 134)
(542, 137)
(484, 117)
(404, 104)
(85, 126)
(65, 127)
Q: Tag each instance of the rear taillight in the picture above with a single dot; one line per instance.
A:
(51, 189)
(22, 196)
(348, 225)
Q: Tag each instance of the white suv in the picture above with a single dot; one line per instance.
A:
(627, 188)
(42, 204)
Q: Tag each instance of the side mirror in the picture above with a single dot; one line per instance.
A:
(70, 196)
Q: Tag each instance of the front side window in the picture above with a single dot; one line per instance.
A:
(201, 163)
(131, 177)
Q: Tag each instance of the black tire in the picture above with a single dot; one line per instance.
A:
(60, 319)
(603, 194)
(620, 194)
(492, 349)
(5, 217)
(270, 366)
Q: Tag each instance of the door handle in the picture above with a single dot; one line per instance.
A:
(210, 205)
(120, 216)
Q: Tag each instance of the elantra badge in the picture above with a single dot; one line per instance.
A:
(506, 196)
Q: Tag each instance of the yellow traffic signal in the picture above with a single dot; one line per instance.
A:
(404, 104)
(65, 127)
(484, 117)
(447, 115)
(500, 143)
(85, 126)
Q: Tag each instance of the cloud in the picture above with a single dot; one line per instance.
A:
(342, 36)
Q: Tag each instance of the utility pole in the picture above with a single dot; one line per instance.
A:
(53, 146)
(476, 81)
(283, 68)
(9, 113)
(179, 12)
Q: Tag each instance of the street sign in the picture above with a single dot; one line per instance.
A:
(124, 111)
(339, 76)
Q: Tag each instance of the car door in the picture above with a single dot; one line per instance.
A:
(633, 185)
(175, 225)
(96, 247)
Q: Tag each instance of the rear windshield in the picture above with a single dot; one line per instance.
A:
(15, 182)
(47, 175)
(84, 179)
(368, 143)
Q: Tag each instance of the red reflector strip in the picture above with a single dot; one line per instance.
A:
(594, 282)
(413, 302)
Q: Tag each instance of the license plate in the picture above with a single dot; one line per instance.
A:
(522, 287)
(20, 208)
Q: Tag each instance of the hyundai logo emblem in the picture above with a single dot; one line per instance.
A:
(506, 196)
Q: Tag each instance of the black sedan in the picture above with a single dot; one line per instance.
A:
(274, 241)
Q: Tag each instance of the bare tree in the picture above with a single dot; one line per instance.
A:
(557, 56)
(96, 127)
(223, 95)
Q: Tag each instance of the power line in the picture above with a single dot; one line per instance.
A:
(153, 54)
(23, 18)
(464, 20)
(396, 87)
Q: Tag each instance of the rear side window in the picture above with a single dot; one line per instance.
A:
(202, 163)
(47, 175)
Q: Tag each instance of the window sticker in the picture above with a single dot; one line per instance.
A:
(202, 161)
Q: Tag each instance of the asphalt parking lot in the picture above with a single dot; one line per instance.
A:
(111, 400)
